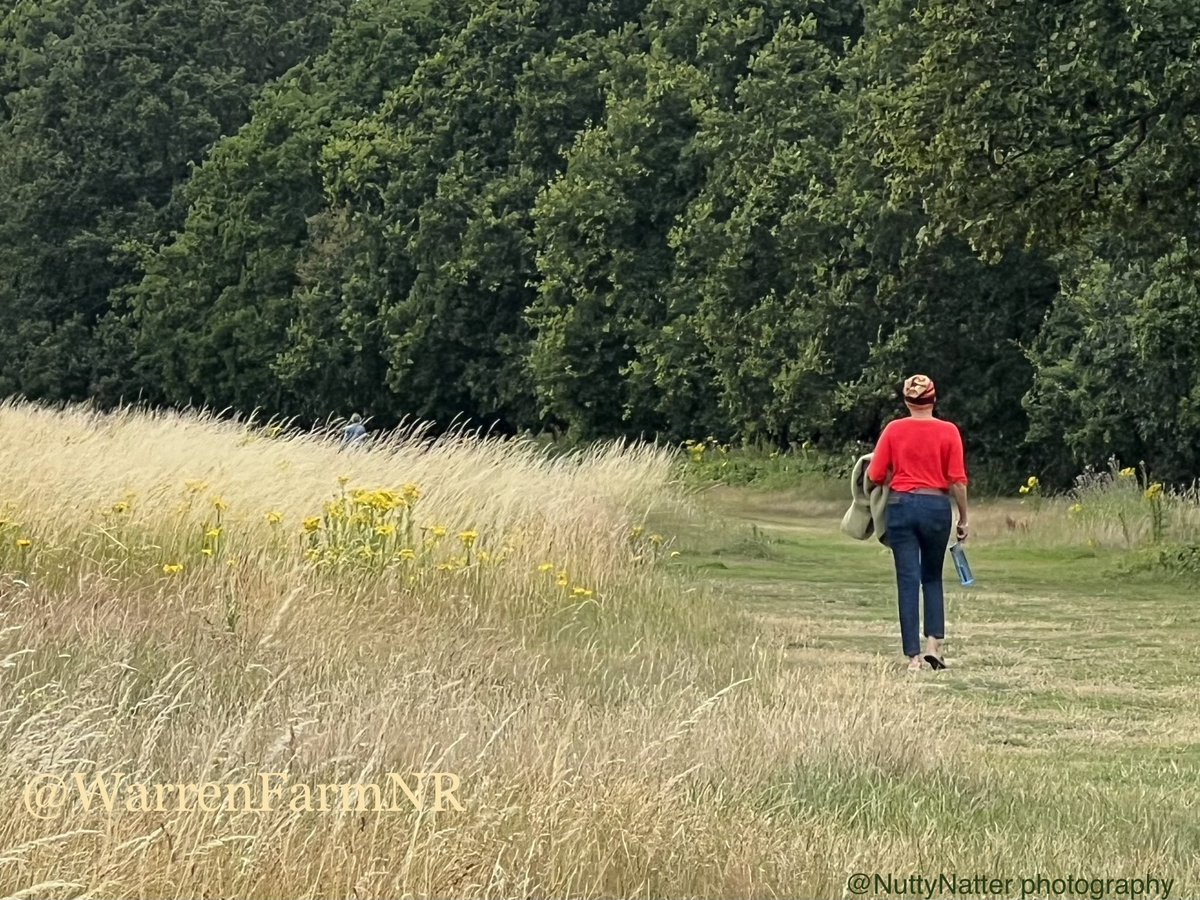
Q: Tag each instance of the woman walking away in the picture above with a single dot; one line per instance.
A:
(924, 458)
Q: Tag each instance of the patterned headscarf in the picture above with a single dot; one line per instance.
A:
(919, 390)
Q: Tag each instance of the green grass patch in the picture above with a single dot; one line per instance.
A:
(1070, 680)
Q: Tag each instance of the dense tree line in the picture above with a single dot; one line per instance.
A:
(744, 218)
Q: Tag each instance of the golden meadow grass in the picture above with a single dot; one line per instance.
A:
(630, 741)
(620, 731)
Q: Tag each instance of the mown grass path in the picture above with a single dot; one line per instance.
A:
(1068, 676)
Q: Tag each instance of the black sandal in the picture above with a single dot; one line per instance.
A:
(935, 662)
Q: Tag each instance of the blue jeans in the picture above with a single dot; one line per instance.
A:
(918, 531)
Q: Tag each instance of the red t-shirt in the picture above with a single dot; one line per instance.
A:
(922, 453)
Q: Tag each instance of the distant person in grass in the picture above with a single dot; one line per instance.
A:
(921, 459)
(355, 432)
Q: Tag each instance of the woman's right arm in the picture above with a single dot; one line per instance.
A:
(958, 491)
(957, 477)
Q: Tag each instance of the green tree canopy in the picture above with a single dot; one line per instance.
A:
(104, 108)
(615, 218)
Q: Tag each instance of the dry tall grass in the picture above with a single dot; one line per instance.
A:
(641, 740)
(1115, 508)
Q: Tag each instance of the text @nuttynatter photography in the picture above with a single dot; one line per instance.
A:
(48, 795)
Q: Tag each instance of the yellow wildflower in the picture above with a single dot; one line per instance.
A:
(213, 533)
(1033, 481)
(1154, 491)
(219, 504)
(312, 523)
(172, 569)
(24, 543)
(1024, 489)
(562, 579)
(343, 480)
(380, 500)
(1076, 509)
(468, 537)
(412, 493)
(312, 554)
(581, 592)
(207, 551)
(195, 487)
(1128, 472)
(386, 530)
(274, 518)
(546, 567)
(439, 531)
(231, 562)
(656, 538)
(120, 508)
(407, 553)
(636, 531)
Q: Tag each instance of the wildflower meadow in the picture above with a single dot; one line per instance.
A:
(633, 679)
(190, 601)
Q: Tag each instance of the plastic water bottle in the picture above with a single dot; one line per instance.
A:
(960, 563)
